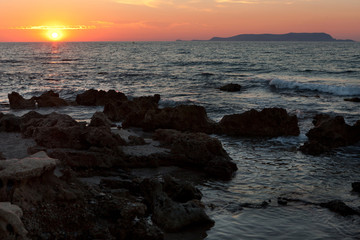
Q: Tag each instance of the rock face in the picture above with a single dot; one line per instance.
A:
(231, 87)
(270, 122)
(94, 97)
(197, 151)
(50, 99)
(328, 133)
(169, 214)
(18, 102)
(11, 226)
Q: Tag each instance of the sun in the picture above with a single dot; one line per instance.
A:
(54, 35)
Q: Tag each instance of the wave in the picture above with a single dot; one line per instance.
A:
(350, 90)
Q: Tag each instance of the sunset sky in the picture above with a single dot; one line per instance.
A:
(167, 20)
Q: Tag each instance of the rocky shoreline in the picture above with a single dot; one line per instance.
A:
(51, 194)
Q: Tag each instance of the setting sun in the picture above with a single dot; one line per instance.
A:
(55, 35)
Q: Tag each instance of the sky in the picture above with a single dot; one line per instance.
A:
(169, 20)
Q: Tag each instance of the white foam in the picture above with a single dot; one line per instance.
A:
(349, 90)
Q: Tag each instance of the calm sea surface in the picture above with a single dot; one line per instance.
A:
(304, 78)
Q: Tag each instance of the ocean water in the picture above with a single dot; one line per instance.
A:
(304, 78)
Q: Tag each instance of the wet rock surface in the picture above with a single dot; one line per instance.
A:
(270, 122)
(94, 97)
(231, 87)
(329, 133)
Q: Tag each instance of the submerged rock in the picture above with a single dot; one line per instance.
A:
(18, 102)
(355, 99)
(94, 97)
(339, 207)
(356, 186)
(270, 122)
(231, 87)
(328, 133)
(197, 151)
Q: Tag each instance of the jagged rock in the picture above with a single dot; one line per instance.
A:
(9, 123)
(270, 122)
(339, 207)
(100, 119)
(183, 118)
(61, 131)
(171, 215)
(356, 186)
(94, 97)
(197, 151)
(18, 102)
(50, 99)
(328, 133)
(135, 109)
(11, 226)
(355, 99)
(231, 87)
(180, 191)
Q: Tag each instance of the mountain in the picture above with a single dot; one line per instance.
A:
(304, 37)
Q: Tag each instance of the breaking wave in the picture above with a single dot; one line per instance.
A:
(349, 90)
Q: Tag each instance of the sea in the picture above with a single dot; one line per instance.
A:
(305, 78)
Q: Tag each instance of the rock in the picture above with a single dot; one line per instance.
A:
(29, 167)
(100, 119)
(11, 226)
(94, 97)
(355, 99)
(135, 140)
(339, 207)
(356, 186)
(231, 87)
(270, 122)
(9, 123)
(170, 215)
(329, 133)
(180, 191)
(134, 110)
(2, 156)
(61, 131)
(183, 118)
(18, 102)
(197, 151)
(50, 99)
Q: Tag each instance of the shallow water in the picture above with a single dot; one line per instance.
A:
(304, 78)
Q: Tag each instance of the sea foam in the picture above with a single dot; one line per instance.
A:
(349, 90)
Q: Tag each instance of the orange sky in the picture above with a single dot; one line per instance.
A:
(163, 20)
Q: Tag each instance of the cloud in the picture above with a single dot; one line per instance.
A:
(148, 3)
(72, 27)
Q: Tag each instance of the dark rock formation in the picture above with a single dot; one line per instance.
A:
(94, 97)
(356, 186)
(180, 191)
(2, 156)
(169, 214)
(339, 207)
(270, 122)
(18, 102)
(50, 99)
(328, 133)
(197, 151)
(183, 118)
(100, 119)
(355, 99)
(9, 123)
(134, 111)
(231, 87)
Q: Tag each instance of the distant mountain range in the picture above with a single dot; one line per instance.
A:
(303, 37)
